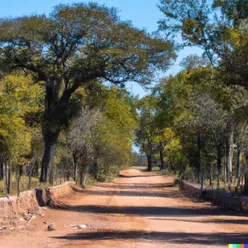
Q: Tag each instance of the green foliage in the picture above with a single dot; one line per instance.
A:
(218, 27)
(71, 48)
(195, 113)
(113, 136)
(19, 97)
(147, 133)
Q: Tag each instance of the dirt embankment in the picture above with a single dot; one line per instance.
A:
(29, 202)
(221, 198)
(12, 207)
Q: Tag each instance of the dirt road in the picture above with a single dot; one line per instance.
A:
(139, 210)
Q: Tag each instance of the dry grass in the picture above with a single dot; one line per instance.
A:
(23, 185)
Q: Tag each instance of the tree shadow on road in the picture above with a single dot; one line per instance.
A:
(215, 221)
(134, 185)
(142, 175)
(133, 193)
(174, 238)
(150, 211)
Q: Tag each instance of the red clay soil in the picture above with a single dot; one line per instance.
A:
(138, 210)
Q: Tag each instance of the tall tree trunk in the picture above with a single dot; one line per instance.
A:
(35, 170)
(198, 158)
(75, 165)
(51, 169)
(96, 169)
(209, 164)
(149, 161)
(84, 175)
(211, 175)
(18, 177)
(68, 174)
(161, 159)
(8, 177)
(1, 168)
(218, 167)
(47, 161)
(230, 158)
(238, 175)
(53, 120)
(30, 174)
(225, 170)
(245, 191)
(81, 177)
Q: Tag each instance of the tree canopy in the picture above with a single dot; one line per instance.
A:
(71, 47)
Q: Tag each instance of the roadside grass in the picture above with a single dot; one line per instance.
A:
(223, 185)
(35, 183)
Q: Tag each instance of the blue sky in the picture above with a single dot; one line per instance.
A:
(143, 14)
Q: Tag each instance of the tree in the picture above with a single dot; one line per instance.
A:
(194, 105)
(72, 46)
(113, 136)
(19, 99)
(147, 134)
(80, 142)
(218, 27)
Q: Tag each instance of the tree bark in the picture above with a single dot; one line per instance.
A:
(161, 159)
(1, 168)
(202, 181)
(30, 174)
(80, 177)
(207, 157)
(199, 158)
(229, 158)
(8, 177)
(218, 168)
(35, 170)
(238, 175)
(225, 170)
(149, 161)
(68, 174)
(51, 169)
(53, 121)
(96, 169)
(47, 161)
(75, 165)
(84, 175)
(245, 191)
(18, 179)
(211, 175)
